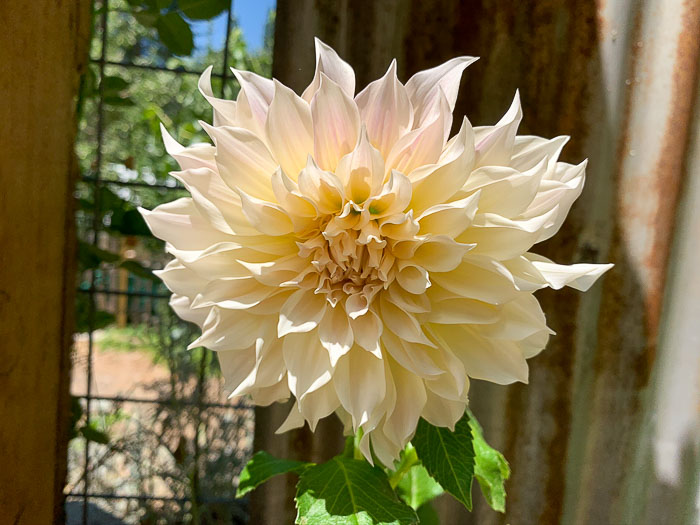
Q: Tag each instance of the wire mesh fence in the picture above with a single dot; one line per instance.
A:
(157, 440)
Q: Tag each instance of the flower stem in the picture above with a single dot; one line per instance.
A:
(410, 458)
(349, 450)
(357, 453)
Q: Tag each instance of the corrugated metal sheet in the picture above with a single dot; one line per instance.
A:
(607, 430)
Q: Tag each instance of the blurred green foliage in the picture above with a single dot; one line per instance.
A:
(135, 101)
(150, 77)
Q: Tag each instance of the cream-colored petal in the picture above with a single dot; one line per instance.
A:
(308, 364)
(483, 280)
(198, 156)
(528, 151)
(258, 93)
(361, 171)
(518, 320)
(359, 381)
(243, 160)
(367, 330)
(269, 368)
(394, 197)
(236, 365)
(435, 184)
(302, 312)
(401, 421)
(422, 145)
(402, 323)
(442, 412)
(495, 148)
(289, 130)
(321, 187)
(330, 64)
(416, 358)
(293, 420)
(505, 191)
(501, 362)
(265, 396)
(180, 223)
(216, 202)
(562, 198)
(407, 301)
(238, 293)
(290, 198)
(449, 219)
(385, 110)
(463, 311)
(318, 404)
(224, 110)
(265, 217)
(336, 122)
(335, 332)
(181, 306)
(440, 253)
(231, 329)
(180, 279)
(425, 86)
(412, 278)
(579, 276)
(502, 239)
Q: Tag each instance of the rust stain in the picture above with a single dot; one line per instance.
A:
(669, 168)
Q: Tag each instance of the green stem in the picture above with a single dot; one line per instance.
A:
(349, 450)
(409, 459)
(357, 453)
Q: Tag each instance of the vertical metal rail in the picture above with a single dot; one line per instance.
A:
(96, 220)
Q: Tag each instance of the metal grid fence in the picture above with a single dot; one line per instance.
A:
(96, 181)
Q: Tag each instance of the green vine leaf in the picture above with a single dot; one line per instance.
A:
(203, 9)
(448, 456)
(417, 487)
(263, 466)
(345, 491)
(491, 468)
(175, 33)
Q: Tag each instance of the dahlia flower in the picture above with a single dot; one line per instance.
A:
(344, 250)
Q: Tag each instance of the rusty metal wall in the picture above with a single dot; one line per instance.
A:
(606, 432)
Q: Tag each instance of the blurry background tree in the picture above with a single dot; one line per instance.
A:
(175, 460)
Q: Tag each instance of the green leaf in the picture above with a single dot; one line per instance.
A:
(345, 491)
(139, 270)
(76, 413)
(448, 456)
(151, 4)
(147, 18)
(128, 222)
(491, 468)
(203, 9)
(100, 318)
(91, 433)
(118, 101)
(263, 466)
(175, 33)
(417, 487)
(114, 84)
(90, 256)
